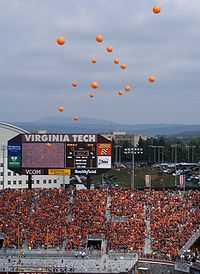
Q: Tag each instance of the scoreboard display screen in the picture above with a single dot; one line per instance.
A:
(41, 155)
(81, 155)
(65, 154)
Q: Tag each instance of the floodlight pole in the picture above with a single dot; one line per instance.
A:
(133, 150)
(116, 155)
(3, 155)
(133, 169)
(175, 161)
(175, 165)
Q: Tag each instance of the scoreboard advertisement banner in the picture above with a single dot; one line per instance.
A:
(14, 156)
(104, 162)
(59, 154)
(104, 149)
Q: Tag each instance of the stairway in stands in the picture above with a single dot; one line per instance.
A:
(191, 240)
(108, 217)
(108, 205)
(71, 203)
(147, 245)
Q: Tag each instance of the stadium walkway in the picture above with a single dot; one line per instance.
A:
(147, 244)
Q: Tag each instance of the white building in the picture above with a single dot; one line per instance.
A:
(122, 137)
(9, 179)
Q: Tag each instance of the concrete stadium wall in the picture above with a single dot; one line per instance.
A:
(157, 268)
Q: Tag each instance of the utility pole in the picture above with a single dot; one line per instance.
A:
(188, 153)
(160, 151)
(157, 152)
(154, 153)
(120, 155)
(193, 148)
(163, 154)
(190, 149)
(117, 155)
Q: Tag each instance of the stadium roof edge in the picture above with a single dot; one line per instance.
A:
(12, 127)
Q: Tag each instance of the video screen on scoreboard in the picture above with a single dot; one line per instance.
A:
(81, 155)
(43, 155)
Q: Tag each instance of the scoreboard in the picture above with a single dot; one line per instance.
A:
(81, 155)
(59, 154)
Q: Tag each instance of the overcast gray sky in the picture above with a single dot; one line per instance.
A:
(36, 74)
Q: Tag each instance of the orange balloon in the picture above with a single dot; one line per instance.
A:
(61, 109)
(92, 95)
(120, 93)
(99, 38)
(61, 41)
(123, 66)
(116, 61)
(152, 78)
(74, 84)
(93, 61)
(156, 9)
(76, 119)
(128, 88)
(94, 85)
(109, 49)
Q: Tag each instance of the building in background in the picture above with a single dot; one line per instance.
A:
(124, 137)
(9, 179)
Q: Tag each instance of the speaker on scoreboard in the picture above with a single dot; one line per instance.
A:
(1, 240)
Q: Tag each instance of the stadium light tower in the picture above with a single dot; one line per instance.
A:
(117, 154)
(3, 149)
(133, 150)
(175, 160)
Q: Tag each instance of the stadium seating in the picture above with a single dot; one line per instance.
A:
(64, 219)
(88, 216)
(128, 235)
(174, 217)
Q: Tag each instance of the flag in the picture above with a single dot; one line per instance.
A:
(182, 181)
(148, 180)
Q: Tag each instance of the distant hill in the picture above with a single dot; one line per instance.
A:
(88, 125)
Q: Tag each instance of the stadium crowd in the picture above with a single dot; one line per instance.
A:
(174, 218)
(88, 217)
(57, 218)
(128, 234)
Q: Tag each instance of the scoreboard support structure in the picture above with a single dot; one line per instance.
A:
(29, 181)
(88, 182)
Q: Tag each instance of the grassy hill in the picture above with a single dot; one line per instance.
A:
(122, 177)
